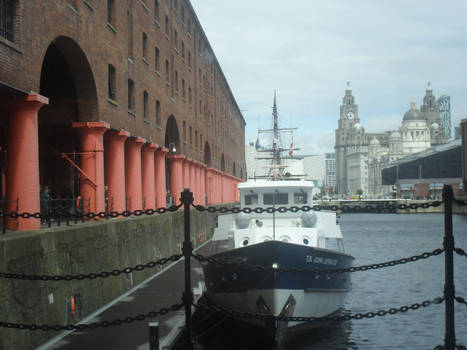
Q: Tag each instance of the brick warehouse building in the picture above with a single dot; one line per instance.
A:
(113, 99)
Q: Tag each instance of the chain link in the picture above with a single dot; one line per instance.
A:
(459, 201)
(358, 316)
(460, 252)
(93, 325)
(247, 266)
(223, 210)
(306, 208)
(461, 300)
(91, 275)
(90, 215)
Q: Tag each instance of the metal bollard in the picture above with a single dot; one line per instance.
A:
(153, 335)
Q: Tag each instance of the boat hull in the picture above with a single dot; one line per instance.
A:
(274, 292)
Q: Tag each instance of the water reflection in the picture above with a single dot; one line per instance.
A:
(335, 336)
(220, 332)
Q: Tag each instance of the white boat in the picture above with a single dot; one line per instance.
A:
(278, 241)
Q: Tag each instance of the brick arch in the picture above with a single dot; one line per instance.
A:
(172, 135)
(69, 54)
(68, 81)
(207, 155)
(222, 162)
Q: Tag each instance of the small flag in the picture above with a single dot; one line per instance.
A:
(291, 148)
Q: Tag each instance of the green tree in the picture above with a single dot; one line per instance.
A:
(359, 193)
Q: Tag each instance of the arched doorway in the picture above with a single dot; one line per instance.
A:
(67, 80)
(172, 143)
(222, 162)
(207, 155)
(172, 136)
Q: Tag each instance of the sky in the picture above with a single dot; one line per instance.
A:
(308, 50)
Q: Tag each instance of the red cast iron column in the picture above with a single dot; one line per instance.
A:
(22, 176)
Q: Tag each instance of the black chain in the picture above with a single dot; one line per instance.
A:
(461, 300)
(91, 215)
(93, 325)
(247, 266)
(92, 275)
(459, 201)
(306, 208)
(358, 316)
(223, 210)
(460, 252)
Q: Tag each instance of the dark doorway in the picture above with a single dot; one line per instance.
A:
(172, 142)
(207, 155)
(67, 80)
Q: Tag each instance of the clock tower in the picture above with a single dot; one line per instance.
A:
(348, 119)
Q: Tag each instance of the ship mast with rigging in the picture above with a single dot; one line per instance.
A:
(276, 168)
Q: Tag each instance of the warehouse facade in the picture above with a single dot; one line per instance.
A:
(120, 102)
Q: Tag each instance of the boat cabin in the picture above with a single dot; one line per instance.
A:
(275, 194)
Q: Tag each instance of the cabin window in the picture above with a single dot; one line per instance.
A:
(275, 198)
(300, 198)
(251, 199)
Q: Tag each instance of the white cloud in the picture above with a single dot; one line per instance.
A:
(307, 50)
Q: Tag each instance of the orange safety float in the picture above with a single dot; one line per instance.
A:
(201, 237)
(72, 306)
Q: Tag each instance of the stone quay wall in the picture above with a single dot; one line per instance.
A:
(81, 249)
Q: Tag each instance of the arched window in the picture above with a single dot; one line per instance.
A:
(166, 25)
(110, 11)
(156, 10)
(112, 83)
(156, 60)
(131, 95)
(145, 44)
(145, 105)
(167, 70)
(158, 113)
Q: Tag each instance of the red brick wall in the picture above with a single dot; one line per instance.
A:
(85, 22)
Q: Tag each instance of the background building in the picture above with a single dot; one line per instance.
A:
(360, 156)
(444, 103)
(422, 175)
(330, 170)
(126, 96)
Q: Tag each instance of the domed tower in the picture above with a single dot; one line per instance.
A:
(415, 131)
(395, 146)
